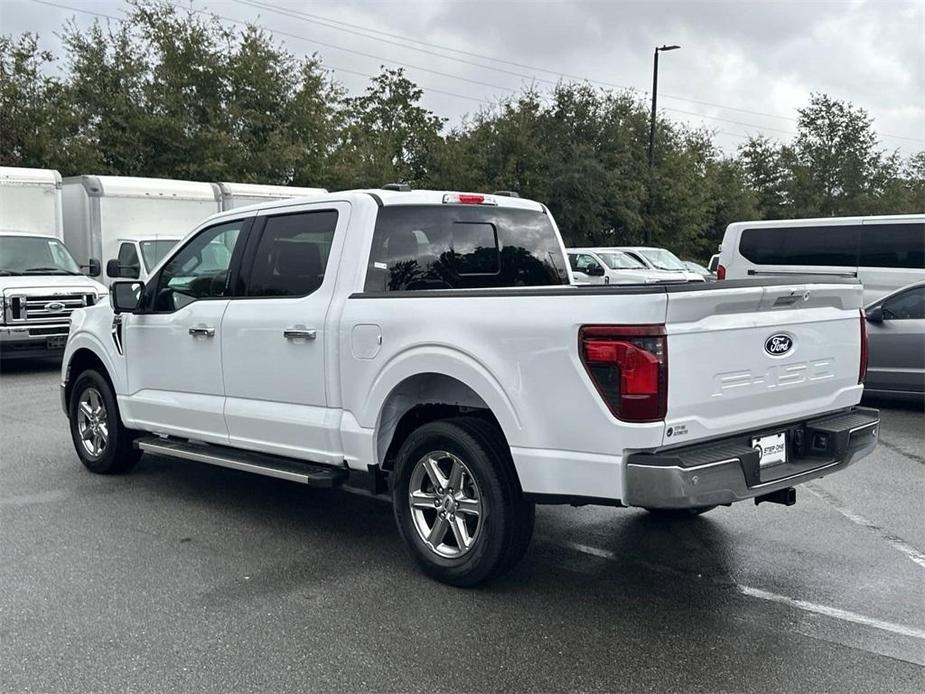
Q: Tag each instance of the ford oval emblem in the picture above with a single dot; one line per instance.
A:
(54, 307)
(778, 344)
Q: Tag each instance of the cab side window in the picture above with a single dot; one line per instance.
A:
(129, 265)
(909, 305)
(199, 270)
(292, 254)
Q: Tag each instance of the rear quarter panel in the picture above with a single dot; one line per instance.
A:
(520, 355)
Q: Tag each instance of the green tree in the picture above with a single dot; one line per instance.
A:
(763, 165)
(105, 90)
(32, 108)
(835, 164)
(913, 183)
(389, 136)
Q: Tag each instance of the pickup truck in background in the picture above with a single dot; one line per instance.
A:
(429, 345)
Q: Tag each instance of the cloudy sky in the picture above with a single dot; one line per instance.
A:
(744, 67)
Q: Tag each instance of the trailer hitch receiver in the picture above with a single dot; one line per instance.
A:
(787, 497)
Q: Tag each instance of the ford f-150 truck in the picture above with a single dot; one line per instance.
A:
(429, 345)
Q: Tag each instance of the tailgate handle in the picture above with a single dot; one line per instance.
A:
(792, 299)
(786, 300)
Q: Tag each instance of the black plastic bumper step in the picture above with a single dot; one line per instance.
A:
(312, 474)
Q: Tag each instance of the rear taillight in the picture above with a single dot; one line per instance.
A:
(629, 367)
(865, 350)
(720, 272)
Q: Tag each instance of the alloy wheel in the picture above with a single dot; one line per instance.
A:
(92, 422)
(446, 504)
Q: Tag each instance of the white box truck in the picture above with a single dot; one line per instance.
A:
(30, 200)
(234, 195)
(131, 222)
(40, 283)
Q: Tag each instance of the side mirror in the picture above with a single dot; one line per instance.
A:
(594, 271)
(875, 315)
(126, 296)
(114, 269)
(94, 269)
(714, 261)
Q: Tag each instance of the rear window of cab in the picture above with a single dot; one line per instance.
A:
(418, 247)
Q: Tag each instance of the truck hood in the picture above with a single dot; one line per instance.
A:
(643, 276)
(53, 282)
(670, 275)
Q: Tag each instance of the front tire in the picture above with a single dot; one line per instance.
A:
(457, 502)
(102, 443)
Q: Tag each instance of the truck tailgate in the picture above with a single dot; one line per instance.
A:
(743, 358)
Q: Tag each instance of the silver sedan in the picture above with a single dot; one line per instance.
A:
(896, 326)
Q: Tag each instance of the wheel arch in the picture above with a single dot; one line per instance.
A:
(434, 384)
(87, 355)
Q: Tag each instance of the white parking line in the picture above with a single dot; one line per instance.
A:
(805, 605)
(896, 543)
(833, 612)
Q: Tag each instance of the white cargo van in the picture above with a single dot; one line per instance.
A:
(30, 201)
(234, 195)
(884, 253)
(111, 216)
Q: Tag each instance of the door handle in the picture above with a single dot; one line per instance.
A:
(202, 331)
(299, 334)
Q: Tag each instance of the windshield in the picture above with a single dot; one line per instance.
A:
(154, 251)
(696, 267)
(662, 259)
(35, 255)
(617, 260)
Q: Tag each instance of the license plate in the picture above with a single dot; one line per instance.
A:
(773, 449)
(56, 342)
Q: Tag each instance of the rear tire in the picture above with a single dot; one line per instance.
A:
(679, 513)
(102, 443)
(457, 502)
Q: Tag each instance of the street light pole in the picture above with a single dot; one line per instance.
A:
(658, 49)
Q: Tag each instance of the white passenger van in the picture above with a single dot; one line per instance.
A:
(884, 253)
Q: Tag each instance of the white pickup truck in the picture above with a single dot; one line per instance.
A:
(428, 345)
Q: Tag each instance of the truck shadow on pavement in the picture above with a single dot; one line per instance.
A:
(336, 534)
(28, 366)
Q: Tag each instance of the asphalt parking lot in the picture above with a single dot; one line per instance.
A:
(183, 577)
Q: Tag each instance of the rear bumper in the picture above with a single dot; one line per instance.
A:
(28, 341)
(726, 471)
